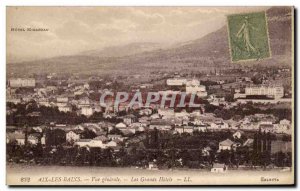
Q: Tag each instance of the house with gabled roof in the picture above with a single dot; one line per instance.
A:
(73, 135)
(226, 145)
(121, 125)
(218, 168)
(237, 134)
(83, 142)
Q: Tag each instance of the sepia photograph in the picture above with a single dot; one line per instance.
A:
(146, 96)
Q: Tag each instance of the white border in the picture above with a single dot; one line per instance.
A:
(5, 3)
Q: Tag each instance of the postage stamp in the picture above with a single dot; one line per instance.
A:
(248, 36)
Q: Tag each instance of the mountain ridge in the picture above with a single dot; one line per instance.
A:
(210, 51)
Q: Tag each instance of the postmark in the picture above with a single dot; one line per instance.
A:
(248, 36)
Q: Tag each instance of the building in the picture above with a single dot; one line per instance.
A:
(83, 142)
(145, 111)
(11, 137)
(284, 126)
(267, 127)
(86, 86)
(166, 112)
(72, 136)
(65, 108)
(218, 168)
(196, 89)
(184, 129)
(225, 145)
(216, 100)
(218, 125)
(201, 127)
(37, 129)
(285, 122)
(248, 143)
(160, 124)
(100, 142)
(84, 102)
(79, 127)
(193, 82)
(275, 92)
(237, 135)
(145, 120)
(62, 99)
(22, 82)
(125, 129)
(44, 102)
(281, 146)
(113, 143)
(101, 138)
(206, 151)
(176, 82)
(121, 125)
(129, 130)
(115, 137)
(129, 119)
(201, 93)
(87, 110)
(152, 166)
(155, 116)
(13, 100)
(20, 138)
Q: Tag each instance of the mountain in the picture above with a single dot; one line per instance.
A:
(206, 53)
(126, 50)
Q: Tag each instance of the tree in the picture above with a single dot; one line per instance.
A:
(55, 137)
(224, 156)
(88, 134)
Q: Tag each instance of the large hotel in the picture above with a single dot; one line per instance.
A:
(275, 92)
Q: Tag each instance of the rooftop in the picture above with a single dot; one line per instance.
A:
(227, 142)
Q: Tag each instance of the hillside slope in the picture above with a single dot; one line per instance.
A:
(207, 52)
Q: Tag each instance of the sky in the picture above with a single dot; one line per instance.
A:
(72, 30)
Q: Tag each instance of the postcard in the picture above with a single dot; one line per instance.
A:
(150, 96)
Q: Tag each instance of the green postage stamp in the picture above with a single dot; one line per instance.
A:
(248, 36)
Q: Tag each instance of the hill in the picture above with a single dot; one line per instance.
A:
(206, 53)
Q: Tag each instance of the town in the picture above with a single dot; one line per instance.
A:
(242, 120)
